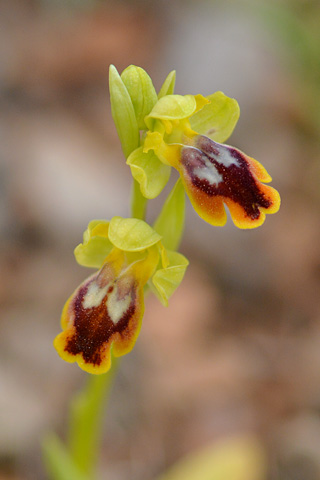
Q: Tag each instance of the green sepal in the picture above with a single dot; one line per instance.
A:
(149, 172)
(168, 85)
(123, 113)
(218, 118)
(166, 280)
(141, 91)
(132, 234)
(170, 222)
(172, 107)
(96, 246)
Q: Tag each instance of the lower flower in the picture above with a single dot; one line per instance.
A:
(104, 312)
(103, 316)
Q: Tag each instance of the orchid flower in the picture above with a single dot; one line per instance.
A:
(104, 313)
(188, 133)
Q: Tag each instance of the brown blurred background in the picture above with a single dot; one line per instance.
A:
(238, 349)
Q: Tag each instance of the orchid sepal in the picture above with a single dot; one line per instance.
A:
(151, 174)
(218, 118)
(132, 234)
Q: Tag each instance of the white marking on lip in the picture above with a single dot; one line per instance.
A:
(94, 295)
(117, 307)
(224, 156)
(208, 172)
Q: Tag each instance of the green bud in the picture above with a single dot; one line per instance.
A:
(168, 85)
(141, 91)
(123, 113)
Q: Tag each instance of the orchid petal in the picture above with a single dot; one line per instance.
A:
(96, 245)
(166, 280)
(149, 172)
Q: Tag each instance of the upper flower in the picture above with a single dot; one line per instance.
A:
(187, 133)
(183, 132)
(104, 313)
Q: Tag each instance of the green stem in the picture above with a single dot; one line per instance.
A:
(86, 415)
(138, 202)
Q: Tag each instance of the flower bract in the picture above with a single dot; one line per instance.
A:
(103, 316)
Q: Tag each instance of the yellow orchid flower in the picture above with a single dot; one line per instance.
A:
(104, 313)
(186, 132)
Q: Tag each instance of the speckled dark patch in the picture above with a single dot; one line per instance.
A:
(238, 183)
(94, 327)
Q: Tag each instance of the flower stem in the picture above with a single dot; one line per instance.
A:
(138, 202)
(86, 415)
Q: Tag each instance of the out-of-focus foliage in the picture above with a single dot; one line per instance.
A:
(295, 27)
(235, 458)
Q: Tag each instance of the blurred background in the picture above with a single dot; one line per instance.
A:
(238, 350)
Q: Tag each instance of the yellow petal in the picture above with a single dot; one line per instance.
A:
(96, 245)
